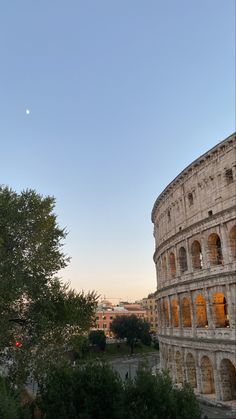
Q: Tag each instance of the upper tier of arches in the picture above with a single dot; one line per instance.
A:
(193, 256)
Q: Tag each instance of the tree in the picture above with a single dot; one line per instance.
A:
(35, 307)
(132, 328)
(92, 390)
(98, 338)
(154, 396)
(10, 402)
(95, 391)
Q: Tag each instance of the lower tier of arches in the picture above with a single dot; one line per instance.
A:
(209, 372)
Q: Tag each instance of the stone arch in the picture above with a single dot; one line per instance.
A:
(172, 264)
(208, 385)
(186, 312)
(175, 314)
(164, 266)
(159, 271)
(183, 264)
(162, 315)
(228, 380)
(232, 241)
(191, 370)
(196, 253)
(214, 249)
(166, 312)
(201, 314)
(220, 310)
(179, 367)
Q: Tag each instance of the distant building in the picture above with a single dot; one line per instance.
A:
(106, 313)
(150, 305)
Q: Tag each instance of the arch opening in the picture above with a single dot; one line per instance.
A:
(214, 249)
(191, 370)
(232, 241)
(201, 313)
(175, 314)
(183, 264)
(166, 313)
(186, 312)
(164, 266)
(228, 380)
(220, 310)
(196, 253)
(179, 367)
(172, 265)
(208, 385)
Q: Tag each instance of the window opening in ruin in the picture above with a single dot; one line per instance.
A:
(159, 271)
(190, 199)
(207, 376)
(214, 249)
(164, 266)
(228, 380)
(210, 213)
(174, 312)
(196, 252)
(201, 313)
(166, 313)
(229, 176)
(168, 214)
(220, 310)
(183, 264)
(179, 367)
(191, 370)
(186, 313)
(172, 264)
(232, 240)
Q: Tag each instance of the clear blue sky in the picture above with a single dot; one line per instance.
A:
(122, 94)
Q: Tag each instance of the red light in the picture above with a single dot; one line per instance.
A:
(18, 343)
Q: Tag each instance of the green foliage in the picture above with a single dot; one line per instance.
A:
(132, 328)
(80, 344)
(35, 307)
(153, 397)
(95, 391)
(10, 403)
(92, 391)
(156, 345)
(98, 338)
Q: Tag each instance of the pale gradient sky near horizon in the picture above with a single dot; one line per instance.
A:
(122, 94)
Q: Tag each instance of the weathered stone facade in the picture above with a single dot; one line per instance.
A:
(195, 256)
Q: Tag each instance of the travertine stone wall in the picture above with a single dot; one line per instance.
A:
(195, 256)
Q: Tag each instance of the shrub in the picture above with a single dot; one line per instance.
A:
(10, 402)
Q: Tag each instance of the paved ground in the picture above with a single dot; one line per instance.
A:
(129, 364)
(217, 412)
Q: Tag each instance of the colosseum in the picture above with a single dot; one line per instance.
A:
(195, 256)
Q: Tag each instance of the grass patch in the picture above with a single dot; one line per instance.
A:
(117, 350)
